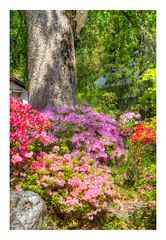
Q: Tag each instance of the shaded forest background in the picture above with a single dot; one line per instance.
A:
(117, 46)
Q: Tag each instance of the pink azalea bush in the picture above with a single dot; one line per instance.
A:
(28, 133)
(58, 156)
(147, 187)
(127, 122)
(73, 187)
(130, 116)
(73, 129)
(65, 154)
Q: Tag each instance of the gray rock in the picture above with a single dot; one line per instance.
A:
(27, 211)
(100, 82)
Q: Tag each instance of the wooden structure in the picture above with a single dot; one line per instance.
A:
(17, 89)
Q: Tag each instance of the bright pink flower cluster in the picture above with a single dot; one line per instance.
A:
(74, 186)
(147, 188)
(27, 131)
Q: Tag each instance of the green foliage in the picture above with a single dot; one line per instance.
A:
(147, 99)
(18, 44)
(142, 219)
(135, 179)
(102, 101)
(119, 45)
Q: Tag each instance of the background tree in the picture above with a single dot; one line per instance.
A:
(51, 59)
(118, 45)
(121, 46)
(51, 36)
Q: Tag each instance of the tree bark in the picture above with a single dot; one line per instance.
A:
(79, 21)
(51, 58)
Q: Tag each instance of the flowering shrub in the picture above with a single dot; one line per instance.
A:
(130, 116)
(127, 123)
(27, 133)
(147, 187)
(145, 132)
(138, 171)
(62, 154)
(73, 186)
(53, 157)
(75, 129)
(80, 128)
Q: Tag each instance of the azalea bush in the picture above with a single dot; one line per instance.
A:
(73, 187)
(80, 128)
(145, 132)
(143, 141)
(74, 158)
(127, 123)
(137, 173)
(28, 134)
(147, 187)
(60, 156)
(74, 129)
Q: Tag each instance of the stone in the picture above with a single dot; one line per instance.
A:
(100, 82)
(27, 211)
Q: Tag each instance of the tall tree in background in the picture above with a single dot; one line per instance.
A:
(51, 57)
(119, 45)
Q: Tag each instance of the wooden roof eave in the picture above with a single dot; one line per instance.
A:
(17, 81)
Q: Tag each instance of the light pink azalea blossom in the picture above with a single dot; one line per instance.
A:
(56, 148)
(16, 159)
(149, 187)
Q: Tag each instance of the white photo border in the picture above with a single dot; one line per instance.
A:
(4, 120)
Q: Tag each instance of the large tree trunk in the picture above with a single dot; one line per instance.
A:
(51, 58)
